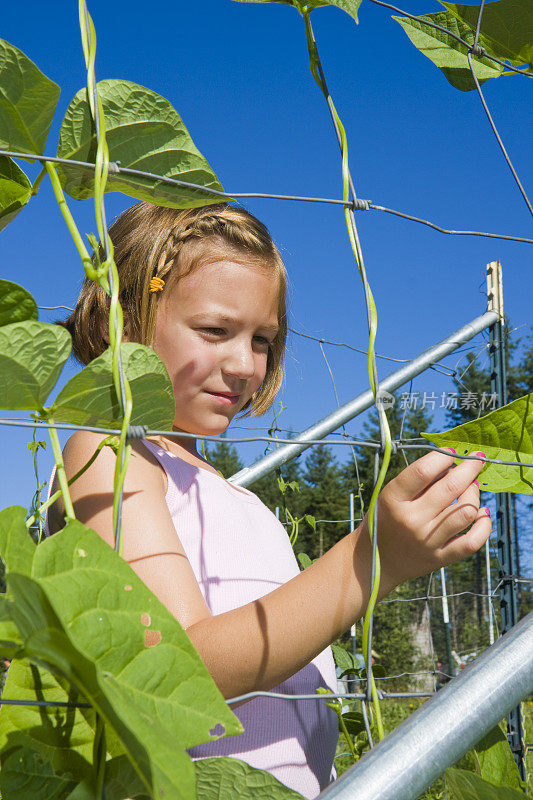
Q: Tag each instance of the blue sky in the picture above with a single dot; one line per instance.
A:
(238, 75)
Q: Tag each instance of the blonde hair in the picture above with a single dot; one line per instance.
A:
(154, 242)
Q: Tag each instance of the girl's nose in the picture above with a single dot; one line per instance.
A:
(240, 361)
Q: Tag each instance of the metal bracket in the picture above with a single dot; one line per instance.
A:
(494, 288)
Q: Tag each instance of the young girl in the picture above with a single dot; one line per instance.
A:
(213, 553)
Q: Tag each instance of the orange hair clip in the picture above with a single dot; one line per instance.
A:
(156, 285)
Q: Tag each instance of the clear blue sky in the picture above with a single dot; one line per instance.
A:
(238, 75)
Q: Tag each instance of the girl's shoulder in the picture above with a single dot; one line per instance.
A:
(144, 470)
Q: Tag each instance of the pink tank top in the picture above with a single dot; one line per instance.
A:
(239, 552)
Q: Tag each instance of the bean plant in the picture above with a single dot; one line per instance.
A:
(106, 688)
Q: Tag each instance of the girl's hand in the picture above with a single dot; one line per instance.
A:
(419, 530)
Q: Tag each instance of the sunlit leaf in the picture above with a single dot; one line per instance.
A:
(143, 132)
(496, 760)
(89, 398)
(506, 27)
(32, 355)
(27, 102)
(17, 548)
(63, 736)
(16, 304)
(26, 775)
(446, 53)
(218, 778)
(505, 434)
(123, 651)
(15, 190)
(350, 6)
(463, 785)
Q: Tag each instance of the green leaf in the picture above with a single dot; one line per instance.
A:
(304, 560)
(32, 355)
(143, 132)
(26, 775)
(506, 28)
(446, 53)
(89, 398)
(221, 777)
(10, 641)
(123, 650)
(354, 722)
(378, 671)
(505, 434)
(496, 761)
(350, 6)
(64, 736)
(16, 304)
(15, 190)
(311, 521)
(27, 102)
(343, 659)
(463, 785)
(17, 548)
(121, 783)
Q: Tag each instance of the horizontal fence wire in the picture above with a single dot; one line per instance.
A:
(356, 205)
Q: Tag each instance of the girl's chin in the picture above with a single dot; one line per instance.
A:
(214, 428)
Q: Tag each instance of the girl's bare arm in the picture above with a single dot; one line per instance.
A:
(261, 644)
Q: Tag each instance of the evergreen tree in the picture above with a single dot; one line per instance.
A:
(325, 498)
(224, 458)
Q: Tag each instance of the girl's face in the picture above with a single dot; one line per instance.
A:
(213, 332)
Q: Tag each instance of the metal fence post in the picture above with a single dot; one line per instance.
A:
(505, 544)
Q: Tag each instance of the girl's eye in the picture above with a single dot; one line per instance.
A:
(213, 331)
(262, 341)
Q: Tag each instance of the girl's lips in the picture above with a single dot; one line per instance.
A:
(227, 399)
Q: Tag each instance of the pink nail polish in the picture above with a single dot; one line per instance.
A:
(476, 482)
(479, 453)
(452, 449)
(487, 512)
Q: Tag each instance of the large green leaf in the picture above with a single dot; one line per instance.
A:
(506, 27)
(505, 434)
(63, 736)
(16, 304)
(89, 398)
(164, 770)
(86, 616)
(218, 778)
(463, 785)
(143, 132)
(32, 355)
(350, 6)
(15, 190)
(27, 102)
(26, 775)
(449, 55)
(496, 761)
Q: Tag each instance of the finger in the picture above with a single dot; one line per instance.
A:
(467, 544)
(455, 518)
(422, 473)
(453, 484)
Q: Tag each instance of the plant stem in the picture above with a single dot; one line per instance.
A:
(61, 474)
(37, 181)
(347, 186)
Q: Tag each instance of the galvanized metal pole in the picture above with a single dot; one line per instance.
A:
(363, 401)
(438, 733)
(505, 544)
